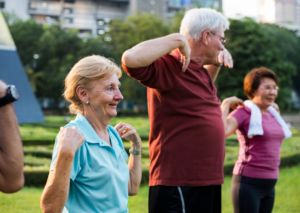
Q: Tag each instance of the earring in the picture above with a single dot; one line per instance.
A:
(87, 102)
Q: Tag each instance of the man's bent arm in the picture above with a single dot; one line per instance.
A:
(149, 51)
(11, 152)
(223, 58)
(213, 71)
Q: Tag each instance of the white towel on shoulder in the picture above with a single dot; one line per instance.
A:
(255, 126)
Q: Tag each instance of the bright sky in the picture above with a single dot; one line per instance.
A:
(240, 8)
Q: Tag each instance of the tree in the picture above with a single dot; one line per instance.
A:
(254, 45)
(59, 49)
(126, 34)
(26, 35)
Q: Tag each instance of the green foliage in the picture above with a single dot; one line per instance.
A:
(125, 35)
(56, 50)
(135, 29)
(254, 45)
(49, 52)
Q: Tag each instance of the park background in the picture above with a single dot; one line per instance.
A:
(48, 52)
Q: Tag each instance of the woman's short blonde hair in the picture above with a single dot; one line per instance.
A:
(84, 73)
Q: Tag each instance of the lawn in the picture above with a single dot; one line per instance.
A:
(49, 129)
(38, 140)
(287, 196)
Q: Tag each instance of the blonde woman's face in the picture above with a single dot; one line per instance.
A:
(105, 96)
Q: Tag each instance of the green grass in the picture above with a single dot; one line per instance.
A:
(50, 128)
(48, 131)
(25, 201)
(287, 196)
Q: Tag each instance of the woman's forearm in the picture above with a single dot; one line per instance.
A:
(135, 170)
(230, 122)
(225, 110)
(56, 191)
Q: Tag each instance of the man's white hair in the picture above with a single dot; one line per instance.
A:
(196, 21)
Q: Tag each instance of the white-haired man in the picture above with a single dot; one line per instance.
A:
(186, 140)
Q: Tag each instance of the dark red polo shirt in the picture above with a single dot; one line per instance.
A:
(186, 139)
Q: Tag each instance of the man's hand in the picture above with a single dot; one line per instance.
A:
(226, 58)
(70, 139)
(185, 52)
(3, 89)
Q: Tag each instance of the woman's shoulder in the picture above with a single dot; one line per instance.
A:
(71, 124)
(241, 110)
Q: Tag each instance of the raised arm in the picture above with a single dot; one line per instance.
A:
(56, 191)
(149, 51)
(223, 58)
(135, 166)
(230, 123)
(11, 152)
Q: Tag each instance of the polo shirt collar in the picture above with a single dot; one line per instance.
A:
(91, 136)
(193, 65)
(87, 130)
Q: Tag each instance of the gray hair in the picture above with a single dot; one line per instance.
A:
(196, 21)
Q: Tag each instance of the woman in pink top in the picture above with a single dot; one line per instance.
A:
(256, 171)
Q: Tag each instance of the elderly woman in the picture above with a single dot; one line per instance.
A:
(260, 131)
(88, 172)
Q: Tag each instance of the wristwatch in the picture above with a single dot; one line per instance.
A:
(135, 152)
(218, 65)
(11, 96)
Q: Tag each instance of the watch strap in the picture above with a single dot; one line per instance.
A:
(7, 98)
(218, 65)
(135, 152)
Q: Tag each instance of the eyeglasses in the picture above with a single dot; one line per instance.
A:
(270, 88)
(222, 39)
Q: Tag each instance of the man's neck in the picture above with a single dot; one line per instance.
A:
(198, 54)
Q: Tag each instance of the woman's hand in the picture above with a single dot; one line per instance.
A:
(56, 191)
(230, 123)
(134, 163)
(129, 133)
(276, 107)
(234, 102)
(70, 139)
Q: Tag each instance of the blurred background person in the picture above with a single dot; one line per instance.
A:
(88, 172)
(260, 131)
(11, 151)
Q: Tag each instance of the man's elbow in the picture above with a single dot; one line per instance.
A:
(13, 186)
(128, 60)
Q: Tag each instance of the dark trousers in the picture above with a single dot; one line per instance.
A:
(185, 199)
(252, 195)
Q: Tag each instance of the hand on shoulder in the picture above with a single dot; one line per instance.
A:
(70, 139)
(234, 102)
(129, 133)
(185, 53)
